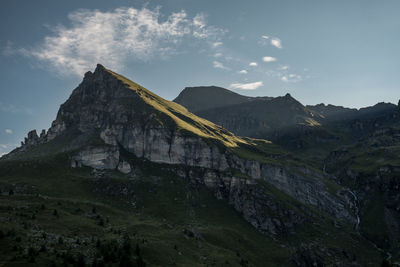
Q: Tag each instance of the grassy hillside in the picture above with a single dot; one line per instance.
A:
(44, 223)
(52, 214)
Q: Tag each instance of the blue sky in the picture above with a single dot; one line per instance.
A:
(342, 52)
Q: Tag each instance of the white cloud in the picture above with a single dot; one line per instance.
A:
(216, 44)
(247, 86)
(276, 42)
(253, 64)
(284, 67)
(273, 73)
(218, 55)
(8, 131)
(269, 59)
(10, 108)
(113, 37)
(243, 72)
(219, 65)
(292, 78)
(199, 21)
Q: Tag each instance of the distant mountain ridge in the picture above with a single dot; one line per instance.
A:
(207, 97)
(268, 117)
(340, 113)
(258, 117)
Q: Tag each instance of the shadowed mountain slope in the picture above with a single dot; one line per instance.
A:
(207, 97)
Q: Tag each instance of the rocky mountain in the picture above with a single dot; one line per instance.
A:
(358, 147)
(130, 167)
(206, 97)
(331, 111)
(258, 117)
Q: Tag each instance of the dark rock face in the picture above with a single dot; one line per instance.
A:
(33, 139)
(121, 121)
(332, 112)
(258, 117)
(208, 97)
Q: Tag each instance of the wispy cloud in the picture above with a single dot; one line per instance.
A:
(216, 44)
(218, 55)
(8, 131)
(283, 73)
(11, 108)
(115, 36)
(246, 86)
(253, 64)
(219, 65)
(276, 42)
(269, 59)
(291, 78)
(284, 79)
(242, 72)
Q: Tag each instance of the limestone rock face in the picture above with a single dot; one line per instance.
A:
(102, 157)
(124, 167)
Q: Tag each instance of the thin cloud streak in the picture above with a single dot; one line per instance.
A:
(11, 108)
(219, 65)
(247, 86)
(269, 59)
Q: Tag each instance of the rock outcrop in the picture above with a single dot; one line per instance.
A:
(33, 140)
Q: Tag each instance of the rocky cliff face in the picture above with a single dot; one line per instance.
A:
(124, 121)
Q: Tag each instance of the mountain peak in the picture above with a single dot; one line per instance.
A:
(107, 100)
(99, 67)
(98, 72)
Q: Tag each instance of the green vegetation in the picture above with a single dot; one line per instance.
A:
(46, 223)
(107, 219)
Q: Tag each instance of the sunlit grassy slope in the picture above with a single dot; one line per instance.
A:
(183, 118)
